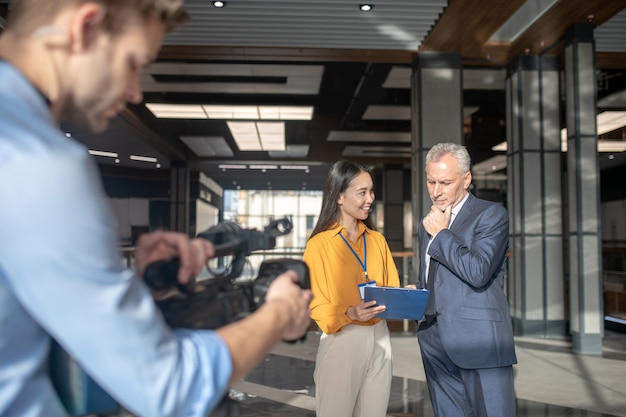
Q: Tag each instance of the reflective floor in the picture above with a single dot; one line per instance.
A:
(551, 381)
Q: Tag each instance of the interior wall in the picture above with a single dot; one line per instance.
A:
(206, 216)
(130, 212)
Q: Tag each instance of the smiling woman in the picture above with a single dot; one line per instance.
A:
(345, 253)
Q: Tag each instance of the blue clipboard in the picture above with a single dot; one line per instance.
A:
(401, 303)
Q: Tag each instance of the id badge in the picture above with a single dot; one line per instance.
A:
(362, 287)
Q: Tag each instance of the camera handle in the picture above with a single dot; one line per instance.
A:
(163, 275)
(228, 239)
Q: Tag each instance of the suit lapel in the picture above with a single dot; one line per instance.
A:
(464, 213)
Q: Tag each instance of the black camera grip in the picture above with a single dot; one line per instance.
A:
(163, 275)
(270, 269)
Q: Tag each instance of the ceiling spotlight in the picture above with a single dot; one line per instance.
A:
(219, 4)
(366, 7)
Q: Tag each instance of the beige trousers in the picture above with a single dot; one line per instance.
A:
(353, 372)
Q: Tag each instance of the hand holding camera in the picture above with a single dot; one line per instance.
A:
(220, 300)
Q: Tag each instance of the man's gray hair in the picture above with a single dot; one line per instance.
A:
(459, 152)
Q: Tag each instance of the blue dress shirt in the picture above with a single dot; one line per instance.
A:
(61, 275)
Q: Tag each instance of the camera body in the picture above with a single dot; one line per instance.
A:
(221, 299)
(214, 304)
(207, 304)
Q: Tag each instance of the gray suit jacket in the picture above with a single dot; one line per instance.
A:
(472, 311)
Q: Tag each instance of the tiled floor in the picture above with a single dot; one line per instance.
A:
(551, 381)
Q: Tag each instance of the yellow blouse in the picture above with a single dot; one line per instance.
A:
(335, 273)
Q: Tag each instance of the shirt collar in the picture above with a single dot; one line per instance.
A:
(455, 210)
(337, 228)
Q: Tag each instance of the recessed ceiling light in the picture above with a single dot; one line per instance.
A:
(219, 4)
(232, 166)
(177, 111)
(366, 7)
(263, 166)
(607, 121)
(103, 153)
(258, 112)
(300, 167)
(143, 158)
(230, 112)
(258, 136)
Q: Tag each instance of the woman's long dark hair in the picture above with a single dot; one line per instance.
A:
(339, 178)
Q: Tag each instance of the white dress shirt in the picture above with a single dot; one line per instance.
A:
(455, 210)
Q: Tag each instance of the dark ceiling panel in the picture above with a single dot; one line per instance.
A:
(357, 53)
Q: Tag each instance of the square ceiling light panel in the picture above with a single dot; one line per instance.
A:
(228, 112)
(177, 111)
(258, 136)
(258, 112)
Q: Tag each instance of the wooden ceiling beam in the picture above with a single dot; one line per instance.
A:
(610, 60)
(498, 55)
(546, 33)
(466, 26)
(222, 53)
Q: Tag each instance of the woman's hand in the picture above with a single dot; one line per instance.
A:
(364, 311)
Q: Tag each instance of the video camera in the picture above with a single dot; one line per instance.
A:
(222, 299)
(203, 304)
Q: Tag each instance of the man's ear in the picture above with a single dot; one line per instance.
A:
(85, 25)
(467, 180)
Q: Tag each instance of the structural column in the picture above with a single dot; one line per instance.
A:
(179, 196)
(436, 116)
(585, 283)
(393, 200)
(535, 284)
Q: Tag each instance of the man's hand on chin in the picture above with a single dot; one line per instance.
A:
(437, 220)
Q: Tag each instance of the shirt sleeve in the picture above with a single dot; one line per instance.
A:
(327, 309)
(393, 278)
(61, 260)
(478, 259)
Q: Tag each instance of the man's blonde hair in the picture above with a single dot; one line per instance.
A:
(26, 16)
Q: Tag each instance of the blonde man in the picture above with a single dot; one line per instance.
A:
(60, 271)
